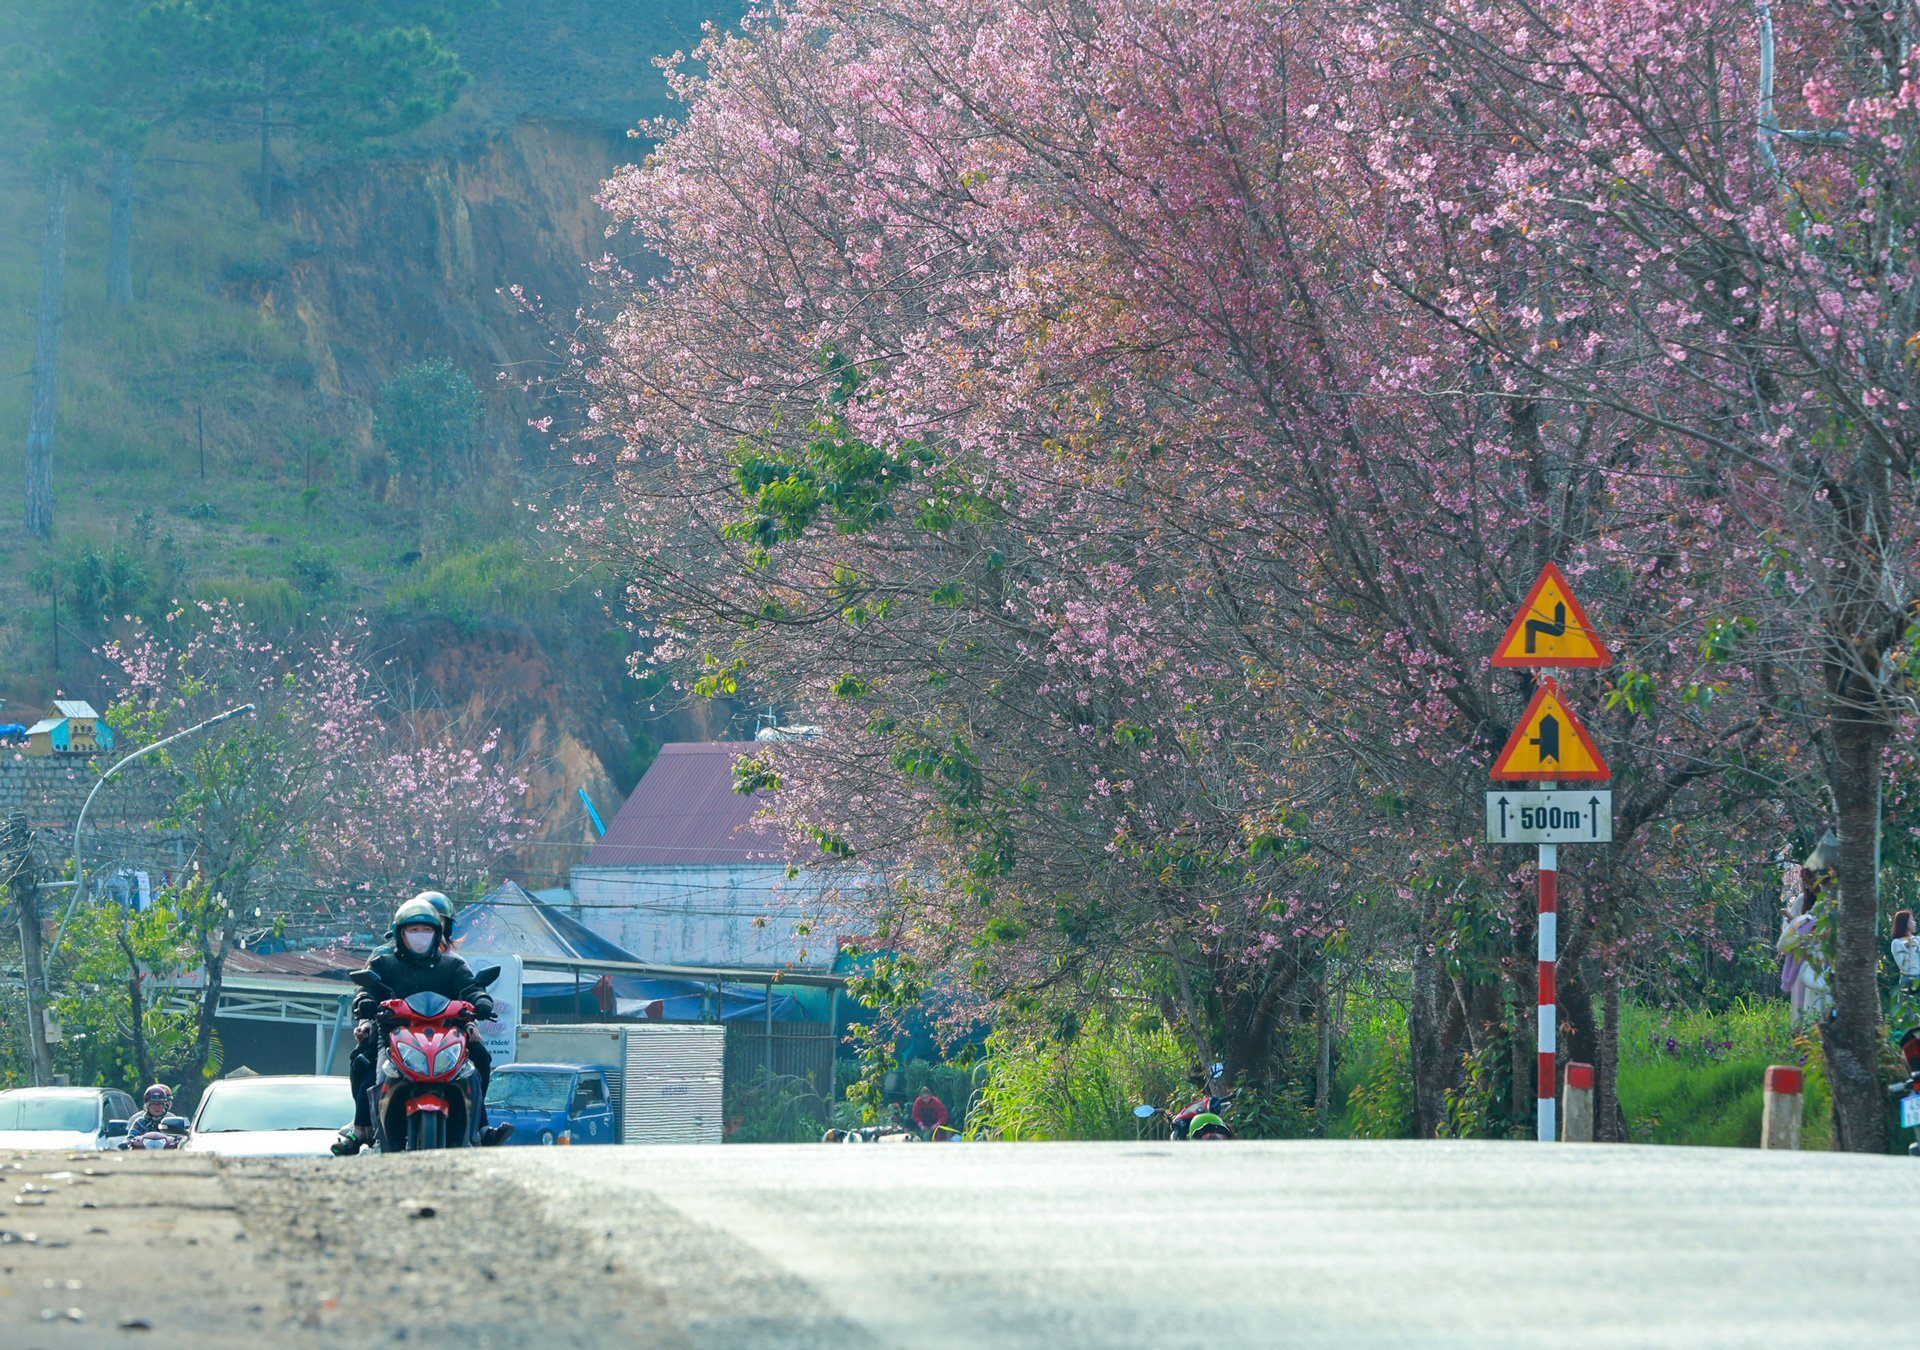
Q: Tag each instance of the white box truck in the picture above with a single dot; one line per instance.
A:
(667, 1078)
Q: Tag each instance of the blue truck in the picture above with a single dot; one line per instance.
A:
(555, 1103)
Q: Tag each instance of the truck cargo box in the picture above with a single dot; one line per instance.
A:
(669, 1087)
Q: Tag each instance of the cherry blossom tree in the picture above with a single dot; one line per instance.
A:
(316, 813)
(1125, 430)
(1616, 208)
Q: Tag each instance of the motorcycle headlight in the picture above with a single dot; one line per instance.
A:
(413, 1057)
(446, 1060)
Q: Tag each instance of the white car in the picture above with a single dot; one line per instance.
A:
(61, 1117)
(271, 1117)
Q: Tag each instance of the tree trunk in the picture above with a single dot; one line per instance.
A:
(1609, 1120)
(266, 153)
(1323, 1064)
(214, 956)
(136, 1008)
(120, 232)
(46, 360)
(20, 875)
(1427, 1039)
(1852, 1037)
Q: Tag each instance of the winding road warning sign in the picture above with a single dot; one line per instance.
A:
(1551, 629)
(1550, 743)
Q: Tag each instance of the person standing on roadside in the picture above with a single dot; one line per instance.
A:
(1905, 1013)
(1804, 963)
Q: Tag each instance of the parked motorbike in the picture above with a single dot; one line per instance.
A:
(1906, 1098)
(425, 1087)
(141, 1135)
(1203, 1118)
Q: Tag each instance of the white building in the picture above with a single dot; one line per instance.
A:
(685, 876)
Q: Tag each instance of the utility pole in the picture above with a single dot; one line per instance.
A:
(16, 856)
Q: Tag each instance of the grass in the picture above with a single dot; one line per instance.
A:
(1690, 1077)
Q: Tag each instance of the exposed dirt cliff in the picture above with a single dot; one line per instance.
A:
(409, 258)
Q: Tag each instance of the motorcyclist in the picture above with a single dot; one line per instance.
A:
(156, 1106)
(415, 962)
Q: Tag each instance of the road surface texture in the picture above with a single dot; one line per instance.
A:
(1147, 1244)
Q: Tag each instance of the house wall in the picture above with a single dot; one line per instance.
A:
(121, 829)
(739, 914)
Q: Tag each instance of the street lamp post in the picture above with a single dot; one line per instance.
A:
(79, 877)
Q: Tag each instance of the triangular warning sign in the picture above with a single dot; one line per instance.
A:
(1551, 629)
(1550, 743)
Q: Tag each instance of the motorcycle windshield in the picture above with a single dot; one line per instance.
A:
(428, 1005)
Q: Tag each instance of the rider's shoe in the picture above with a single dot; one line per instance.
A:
(495, 1135)
(348, 1143)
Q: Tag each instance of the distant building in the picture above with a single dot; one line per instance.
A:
(686, 876)
(74, 729)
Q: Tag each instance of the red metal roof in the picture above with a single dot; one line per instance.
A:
(684, 810)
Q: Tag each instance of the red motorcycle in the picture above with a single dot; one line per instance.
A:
(425, 1087)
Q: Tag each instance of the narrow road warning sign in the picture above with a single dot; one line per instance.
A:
(1551, 629)
(1550, 743)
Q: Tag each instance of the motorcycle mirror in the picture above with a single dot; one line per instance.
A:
(1144, 1111)
(486, 975)
(366, 979)
(174, 1124)
(116, 1129)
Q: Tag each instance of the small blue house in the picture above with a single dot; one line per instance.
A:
(74, 729)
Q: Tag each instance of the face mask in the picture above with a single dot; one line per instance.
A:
(418, 940)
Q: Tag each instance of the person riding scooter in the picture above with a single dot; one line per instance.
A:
(417, 962)
(156, 1104)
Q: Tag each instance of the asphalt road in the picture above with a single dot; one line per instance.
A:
(967, 1245)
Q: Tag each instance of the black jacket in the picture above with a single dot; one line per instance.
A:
(405, 975)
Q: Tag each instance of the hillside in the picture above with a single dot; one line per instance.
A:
(220, 437)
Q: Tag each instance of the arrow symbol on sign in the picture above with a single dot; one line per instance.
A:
(1593, 807)
(1537, 628)
(1503, 815)
(1548, 740)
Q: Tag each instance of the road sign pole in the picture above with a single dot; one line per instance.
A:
(1548, 999)
(1550, 631)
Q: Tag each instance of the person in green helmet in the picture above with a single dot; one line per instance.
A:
(444, 908)
(415, 962)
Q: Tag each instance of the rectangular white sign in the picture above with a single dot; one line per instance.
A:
(1550, 817)
(502, 1034)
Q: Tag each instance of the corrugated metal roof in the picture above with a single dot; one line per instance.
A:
(73, 707)
(684, 810)
(509, 921)
(44, 724)
(329, 962)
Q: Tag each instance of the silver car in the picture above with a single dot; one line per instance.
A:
(271, 1116)
(61, 1117)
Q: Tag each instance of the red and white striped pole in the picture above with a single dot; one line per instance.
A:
(1548, 1000)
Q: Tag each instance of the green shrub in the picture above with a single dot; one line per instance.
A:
(467, 586)
(429, 418)
(1373, 1073)
(774, 1108)
(1042, 1085)
(272, 604)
